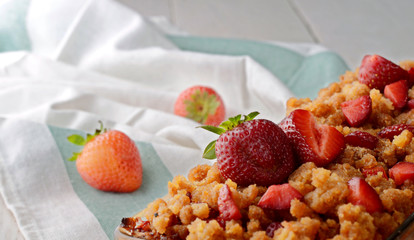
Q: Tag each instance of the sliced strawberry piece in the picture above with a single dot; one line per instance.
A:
(377, 72)
(270, 230)
(410, 103)
(361, 193)
(374, 171)
(402, 171)
(411, 77)
(361, 139)
(278, 197)
(398, 93)
(357, 111)
(394, 130)
(312, 142)
(226, 205)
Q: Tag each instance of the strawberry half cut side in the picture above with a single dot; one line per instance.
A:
(361, 193)
(278, 197)
(226, 205)
(357, 111)
(377, 72)
(401, 172)
(312, 142)
(397, 93)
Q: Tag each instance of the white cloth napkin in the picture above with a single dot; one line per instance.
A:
(98, 60)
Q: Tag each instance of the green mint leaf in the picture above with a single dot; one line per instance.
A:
(213, 129)
(210, 151)
(77, 139)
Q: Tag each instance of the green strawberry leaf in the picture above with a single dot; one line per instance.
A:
(210, 151)
(251, 116)
(213, 129)
(77, 140)
(74, 157)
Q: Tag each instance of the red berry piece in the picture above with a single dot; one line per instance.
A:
(402, 171)
(398, 93)
(361, 193)
(394, 130)
(251, 151)
(374, 171)
(377, 72)
(410, 103)
(202, 104)
(270, 230)
(312, 142)
(226, 205)
(357, 111)
(411, 77)
(361, 139)
(278, 197)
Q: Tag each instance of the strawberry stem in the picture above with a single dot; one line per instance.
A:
(210, 150)
(81, 141)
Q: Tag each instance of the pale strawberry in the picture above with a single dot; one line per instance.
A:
(361, 193)
(397, 92)
(312, 142)
(278, 197)
(251, 151)
(201, 104)
(377, 72)
(401, 172)
(357, 111)
(226, 205)
(109, 161)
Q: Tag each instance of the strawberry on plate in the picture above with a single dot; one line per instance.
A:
(377, 72)
(357, 111)
(110, 161)
(251, 151)
(201, 104)
(226, 205)
(402, 171)
(397, 93)
(361, 193)
(312, 142)
(391, 131)
(278, 197)
(361, 139)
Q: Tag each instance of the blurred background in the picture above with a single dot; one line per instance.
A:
(352, 28)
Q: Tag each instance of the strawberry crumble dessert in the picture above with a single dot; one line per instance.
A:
(338, 167)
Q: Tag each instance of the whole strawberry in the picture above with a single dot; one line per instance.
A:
(251, 151)
(109, 161)
(202, 104)
(377, 72)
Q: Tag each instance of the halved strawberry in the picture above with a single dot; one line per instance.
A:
(411, 77)
(377, 72)
(312, 142)
(361, 139)
(357, 111)
(226, 205)
(410, 103)
(374, 171)
(270, 230)
(394, 130)
(402, 171)
(278, 197)
(361, 193)
(397, 92)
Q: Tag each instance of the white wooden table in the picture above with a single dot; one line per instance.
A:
(352, 28)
